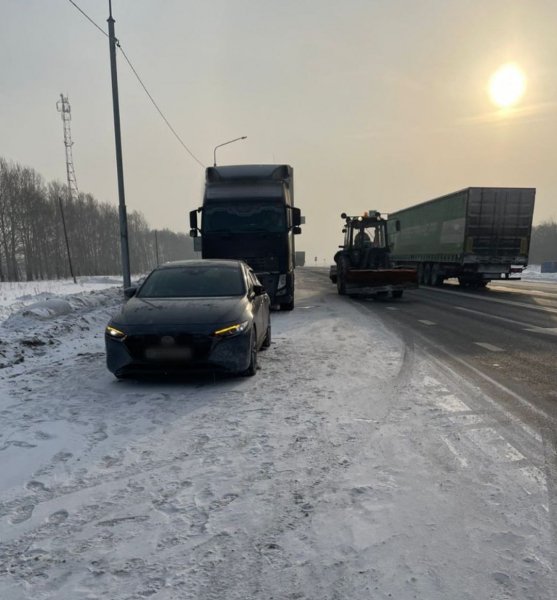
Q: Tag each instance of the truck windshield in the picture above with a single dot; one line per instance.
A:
(248, 217)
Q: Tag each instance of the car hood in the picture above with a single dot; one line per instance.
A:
(181, 311)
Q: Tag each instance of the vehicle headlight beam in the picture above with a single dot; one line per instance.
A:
(231, 330)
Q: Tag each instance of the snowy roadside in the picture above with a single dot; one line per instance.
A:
(14, 296)
(348, 468)
(53, 327)
(533, 273)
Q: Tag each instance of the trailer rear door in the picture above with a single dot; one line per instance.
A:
(499, 223)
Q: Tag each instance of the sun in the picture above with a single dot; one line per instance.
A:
(507, 85)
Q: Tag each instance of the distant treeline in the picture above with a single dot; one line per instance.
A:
(32, 244)
(544, 243)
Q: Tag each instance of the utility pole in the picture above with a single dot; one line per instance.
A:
(64, 108)
(119, 165)
(66, 237)
(157, 247)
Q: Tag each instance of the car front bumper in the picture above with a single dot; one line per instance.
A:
(144, 353)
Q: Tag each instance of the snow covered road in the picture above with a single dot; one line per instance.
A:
(348, 468)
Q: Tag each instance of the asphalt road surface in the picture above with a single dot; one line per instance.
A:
(503, 339)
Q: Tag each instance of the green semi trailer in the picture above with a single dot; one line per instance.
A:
(476, 235)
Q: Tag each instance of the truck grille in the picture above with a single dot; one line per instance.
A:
(262, 264)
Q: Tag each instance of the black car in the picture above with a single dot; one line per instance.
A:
(191, 315)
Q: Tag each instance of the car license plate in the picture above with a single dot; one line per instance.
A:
(176, 353)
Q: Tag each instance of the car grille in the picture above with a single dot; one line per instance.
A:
(200, 345)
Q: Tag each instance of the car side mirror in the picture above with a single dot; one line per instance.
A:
(129, 292)
(258, 290)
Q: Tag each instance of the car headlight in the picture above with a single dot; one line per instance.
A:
(114, 333)
(231, 329)
(281, 281)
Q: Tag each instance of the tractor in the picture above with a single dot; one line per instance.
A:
(362, 265)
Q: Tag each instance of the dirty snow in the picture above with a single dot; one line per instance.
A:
(350, 467)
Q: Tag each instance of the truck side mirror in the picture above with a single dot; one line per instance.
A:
(297, 230)
(296, 217)
(193, 233)
(193, 221)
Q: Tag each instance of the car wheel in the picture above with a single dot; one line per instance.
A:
(252, 367)
(287, 305)
(267, 340)
(397, 293)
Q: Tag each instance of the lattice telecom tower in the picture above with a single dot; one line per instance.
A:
(63, 107)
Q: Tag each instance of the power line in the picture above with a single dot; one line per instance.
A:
(88, 18)
(142, 85)
(158, 109)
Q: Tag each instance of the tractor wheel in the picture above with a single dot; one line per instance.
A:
(341, 283)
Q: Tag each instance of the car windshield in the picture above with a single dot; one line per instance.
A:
(193, 282)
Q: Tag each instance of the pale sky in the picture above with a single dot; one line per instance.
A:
(377, 104)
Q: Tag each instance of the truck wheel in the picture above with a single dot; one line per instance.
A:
(397, 293)
(287, 305)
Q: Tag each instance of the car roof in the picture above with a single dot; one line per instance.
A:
(207, 262)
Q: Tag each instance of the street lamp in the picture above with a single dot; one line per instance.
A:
(224, 144)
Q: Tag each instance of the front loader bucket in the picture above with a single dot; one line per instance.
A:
(380, 278)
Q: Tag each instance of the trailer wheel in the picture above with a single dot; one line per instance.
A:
(436, 277)
(427, 274)
(420, 274)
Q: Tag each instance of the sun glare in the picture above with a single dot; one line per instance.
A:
(507, 85)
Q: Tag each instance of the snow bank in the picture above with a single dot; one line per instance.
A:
(14, 296)
(533, 272)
